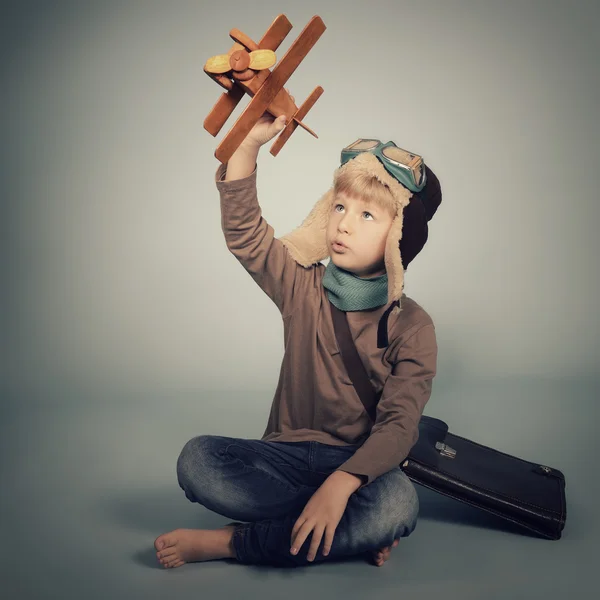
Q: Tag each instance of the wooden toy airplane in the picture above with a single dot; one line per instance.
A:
(245, 69)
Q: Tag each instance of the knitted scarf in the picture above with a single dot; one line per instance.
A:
(349, 292)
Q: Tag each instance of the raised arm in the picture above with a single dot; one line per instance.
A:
(249, 237)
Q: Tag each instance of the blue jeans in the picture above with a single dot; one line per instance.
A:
(267, 484)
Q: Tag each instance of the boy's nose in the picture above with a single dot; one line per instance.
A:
(343, 225)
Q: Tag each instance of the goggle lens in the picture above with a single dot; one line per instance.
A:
(408, 159)
(401, 156)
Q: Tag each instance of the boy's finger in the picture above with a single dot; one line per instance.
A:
(297, 543)
(300, 538)
(315, 542)
(328, 540)
(280, 123)
(295, 530)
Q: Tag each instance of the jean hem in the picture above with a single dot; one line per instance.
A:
(238, 541)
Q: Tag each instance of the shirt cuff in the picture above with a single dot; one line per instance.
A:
(363, 477)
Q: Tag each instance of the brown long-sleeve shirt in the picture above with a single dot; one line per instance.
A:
(315, 398)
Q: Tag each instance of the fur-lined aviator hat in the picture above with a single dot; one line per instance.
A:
(307, 244)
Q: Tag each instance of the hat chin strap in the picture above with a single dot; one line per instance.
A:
(382, 334)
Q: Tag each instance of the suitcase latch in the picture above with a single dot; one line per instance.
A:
(445, 450)
(544, 470)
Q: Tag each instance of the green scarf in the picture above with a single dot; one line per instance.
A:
(349, 292)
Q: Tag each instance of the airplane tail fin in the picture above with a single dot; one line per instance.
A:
(296, 120)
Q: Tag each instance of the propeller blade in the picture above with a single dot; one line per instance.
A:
(218, 64)
(262, 59)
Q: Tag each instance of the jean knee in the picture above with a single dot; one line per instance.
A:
(191, 460)
(399, 505)
(407, 512)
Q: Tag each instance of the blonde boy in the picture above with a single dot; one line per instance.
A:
(324, 481)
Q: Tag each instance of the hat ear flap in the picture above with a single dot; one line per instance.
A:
(307, 244)
(393, 259)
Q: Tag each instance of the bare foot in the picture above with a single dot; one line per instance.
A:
(177, 547)
(383, 554)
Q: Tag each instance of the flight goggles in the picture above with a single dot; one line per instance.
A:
(404, 166)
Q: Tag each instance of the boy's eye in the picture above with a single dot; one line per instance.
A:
(364, 213)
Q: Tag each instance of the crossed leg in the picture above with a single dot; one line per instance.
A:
(226, 476)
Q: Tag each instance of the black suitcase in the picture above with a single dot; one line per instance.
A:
(526, 493)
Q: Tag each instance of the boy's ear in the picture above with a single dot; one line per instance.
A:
(307, 244)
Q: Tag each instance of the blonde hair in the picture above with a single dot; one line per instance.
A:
(367, 188)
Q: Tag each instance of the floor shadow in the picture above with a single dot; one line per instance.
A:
(147, 558)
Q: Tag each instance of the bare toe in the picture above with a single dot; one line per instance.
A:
(170, 552)
(164, 541)
(173, 562)
(383, 554)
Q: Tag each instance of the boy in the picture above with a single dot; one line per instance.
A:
(324, 481)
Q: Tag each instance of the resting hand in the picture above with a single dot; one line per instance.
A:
(321, 514)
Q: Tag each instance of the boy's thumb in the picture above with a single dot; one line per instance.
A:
(281, 122)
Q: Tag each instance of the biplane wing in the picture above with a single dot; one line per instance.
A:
(275, 34)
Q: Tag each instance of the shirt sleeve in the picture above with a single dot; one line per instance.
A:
(405, 394)
(251, 239)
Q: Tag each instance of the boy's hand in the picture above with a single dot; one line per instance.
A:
(321, 514)
(265, 129)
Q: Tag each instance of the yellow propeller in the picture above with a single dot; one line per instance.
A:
(240, 61)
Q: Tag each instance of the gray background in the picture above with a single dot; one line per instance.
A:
(129, 328)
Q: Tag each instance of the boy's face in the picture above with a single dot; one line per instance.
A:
(363, 228)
